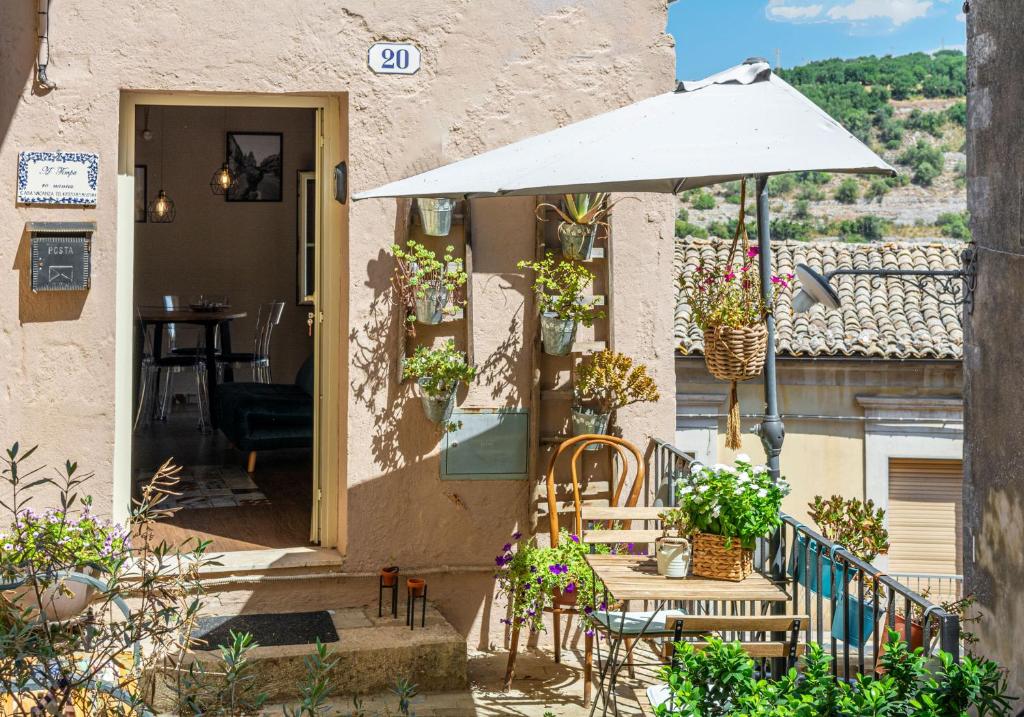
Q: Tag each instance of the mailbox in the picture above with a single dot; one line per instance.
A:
(61, 255)
(491, 444)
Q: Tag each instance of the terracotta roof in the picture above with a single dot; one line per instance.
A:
(884, 318)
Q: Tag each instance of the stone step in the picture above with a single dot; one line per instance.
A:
(372, 654)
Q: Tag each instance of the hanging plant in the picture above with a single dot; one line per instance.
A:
(430, 287)
(560, 287)
(729, 308)
(439, 372)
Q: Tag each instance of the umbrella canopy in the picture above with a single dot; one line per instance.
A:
(741, 122)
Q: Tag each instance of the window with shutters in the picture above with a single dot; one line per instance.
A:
(925, 521)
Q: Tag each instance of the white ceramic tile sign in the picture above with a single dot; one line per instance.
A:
(58, 178)
(394, 58)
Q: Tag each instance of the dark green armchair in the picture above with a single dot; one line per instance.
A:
(267, 416)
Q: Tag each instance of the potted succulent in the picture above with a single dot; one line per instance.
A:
(534, 578)
(439, 372)
(729, 507)
(726, 304)
(428, 284)
(605, 383)
(436, 215)
(673, 547)
(560, 290)
(581, 215)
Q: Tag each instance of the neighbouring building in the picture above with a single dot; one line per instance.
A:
(870, 395)
(993, 394)
(283, 93)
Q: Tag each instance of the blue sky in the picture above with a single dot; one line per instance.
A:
(714, 34)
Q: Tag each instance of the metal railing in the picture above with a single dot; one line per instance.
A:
(851, 603)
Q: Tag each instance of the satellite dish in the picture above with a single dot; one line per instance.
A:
(814, 289)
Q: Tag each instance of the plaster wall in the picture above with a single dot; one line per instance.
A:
(243, 250)
(825, 450)
(994, 390)
(493, 72)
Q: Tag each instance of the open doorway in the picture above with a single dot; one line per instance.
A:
(227, 220)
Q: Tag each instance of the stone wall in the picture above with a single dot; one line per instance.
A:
(994, 390)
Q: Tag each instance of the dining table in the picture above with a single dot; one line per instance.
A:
(635, 578)
(216, 324)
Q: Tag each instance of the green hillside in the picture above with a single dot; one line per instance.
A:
(911, 109)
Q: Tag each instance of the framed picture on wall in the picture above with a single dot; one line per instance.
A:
(141, 192)
(255, 161)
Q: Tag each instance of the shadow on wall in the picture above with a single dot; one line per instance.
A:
(45, 306)
(18, 48)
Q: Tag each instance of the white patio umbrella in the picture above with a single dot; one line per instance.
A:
(741, 122)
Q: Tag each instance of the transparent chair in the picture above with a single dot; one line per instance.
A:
(258, 361)
(154, 393)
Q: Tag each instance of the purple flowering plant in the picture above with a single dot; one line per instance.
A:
(528, 576)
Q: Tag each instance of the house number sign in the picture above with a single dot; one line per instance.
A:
(57, 178)
(394, 58)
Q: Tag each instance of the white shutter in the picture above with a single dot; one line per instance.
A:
(925, 516)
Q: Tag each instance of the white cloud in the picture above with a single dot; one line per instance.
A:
(792, 12)
(895, 11)
(892, 13)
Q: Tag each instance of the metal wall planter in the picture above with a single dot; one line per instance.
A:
(557, 334)
(436, 215)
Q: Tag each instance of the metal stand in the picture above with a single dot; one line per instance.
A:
(380, 596)
(410, 606)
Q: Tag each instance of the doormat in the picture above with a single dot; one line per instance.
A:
(268, 629)
(212, 487)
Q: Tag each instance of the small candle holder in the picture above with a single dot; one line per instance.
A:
(417, 590)
(388, 580)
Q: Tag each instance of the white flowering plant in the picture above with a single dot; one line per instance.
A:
(739, 502)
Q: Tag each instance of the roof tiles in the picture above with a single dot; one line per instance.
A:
(878, 318)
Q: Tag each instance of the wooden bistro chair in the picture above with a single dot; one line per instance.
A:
(750, 630)
(631, 476)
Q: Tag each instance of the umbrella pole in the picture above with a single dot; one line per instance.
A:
(771, 430)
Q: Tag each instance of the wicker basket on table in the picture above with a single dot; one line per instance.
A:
(711, 559)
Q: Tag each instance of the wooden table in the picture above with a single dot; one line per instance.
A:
(635, 577)
(213, 322)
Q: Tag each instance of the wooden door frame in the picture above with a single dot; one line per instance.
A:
(332, 305)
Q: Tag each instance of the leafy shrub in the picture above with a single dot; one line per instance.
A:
(955, 224)
(930, 122)
(848, 191)
(957, 114)
(684, 228)
(926, 161)
(877, 189)
(790, 230)
(802, 209)
(865, 228)
(719, 682)
(811, 194)
(890, 133)
(813, 178)
(781, 184)
(855, 524)
(704, 200)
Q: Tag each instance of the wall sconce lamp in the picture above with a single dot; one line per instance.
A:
(949, 287)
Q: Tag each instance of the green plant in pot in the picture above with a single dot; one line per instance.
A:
(729, 507)
(672, 549)
(581, 215)
(605, 383)
(439, 372)
(858, 527)
(428, 284)
(560, 288)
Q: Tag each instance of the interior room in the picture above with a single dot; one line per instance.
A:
(223, 293)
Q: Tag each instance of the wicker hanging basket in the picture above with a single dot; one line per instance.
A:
(735, 354)
(711, 559)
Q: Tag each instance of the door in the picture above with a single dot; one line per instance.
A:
(926, 523)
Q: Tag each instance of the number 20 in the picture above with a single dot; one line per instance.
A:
(395, 59)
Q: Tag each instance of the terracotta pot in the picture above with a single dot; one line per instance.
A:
(54, 602)
(415, 586)
(900, 626)
(561, 599)
(389, 576)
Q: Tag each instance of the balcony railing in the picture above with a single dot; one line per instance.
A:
(851, 603)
